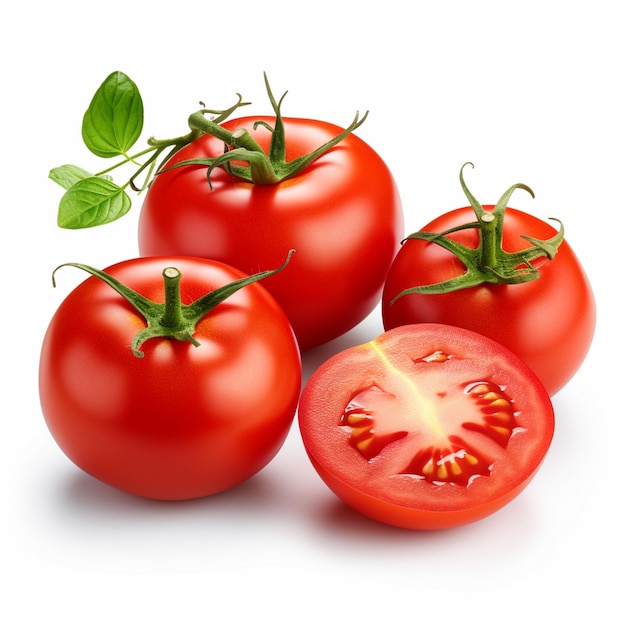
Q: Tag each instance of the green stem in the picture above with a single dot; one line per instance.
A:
(172, 315)
(128, 159)
(198, 122)
(262, 170)
(489, 244)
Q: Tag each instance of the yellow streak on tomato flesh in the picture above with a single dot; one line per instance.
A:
(426, 409)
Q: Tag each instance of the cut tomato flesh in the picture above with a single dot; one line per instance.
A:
(428, 417)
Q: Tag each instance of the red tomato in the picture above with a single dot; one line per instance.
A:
(342, 215)
(549, 322)
(184, 421)
(426, 427)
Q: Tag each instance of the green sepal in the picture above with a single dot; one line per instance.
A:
(262, 168)
(488, 262)
(172, 319)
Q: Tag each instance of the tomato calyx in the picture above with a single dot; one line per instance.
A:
(488, 262)
(261, 168)
(172, 319)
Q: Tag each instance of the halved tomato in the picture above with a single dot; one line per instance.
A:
(428, 426)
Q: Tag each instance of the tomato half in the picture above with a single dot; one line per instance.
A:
(549, 322)
(342, 215)
(426, 427)
(184, 421)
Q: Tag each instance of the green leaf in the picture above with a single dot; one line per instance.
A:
(92, 202)
(68, 175)
(114, 120)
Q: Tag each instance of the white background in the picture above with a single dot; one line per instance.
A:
(530, 92)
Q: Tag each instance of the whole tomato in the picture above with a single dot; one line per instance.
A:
(342, 214)
(191, 403)
(511, 277)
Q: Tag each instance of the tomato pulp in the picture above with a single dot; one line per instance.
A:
(342, 215)
(184, 421)
(426, 427)
(549, 322)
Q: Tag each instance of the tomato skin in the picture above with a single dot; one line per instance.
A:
(426, 399)
(342, 215)
(549, 322)
(183, 421)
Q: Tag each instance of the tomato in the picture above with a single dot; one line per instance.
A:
(426, 427)
(548, 321)
(186, 420)
(342, 215)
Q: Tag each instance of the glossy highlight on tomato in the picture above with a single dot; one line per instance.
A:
(185, 421)
(549, 322)
(342, 215)
(426, 427)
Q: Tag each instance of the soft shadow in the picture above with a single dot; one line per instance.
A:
(508, 531)
(491, 553)
(81, 496)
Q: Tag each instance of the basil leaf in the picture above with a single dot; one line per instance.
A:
(114, 119)
(68, 175)
(91, 202)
